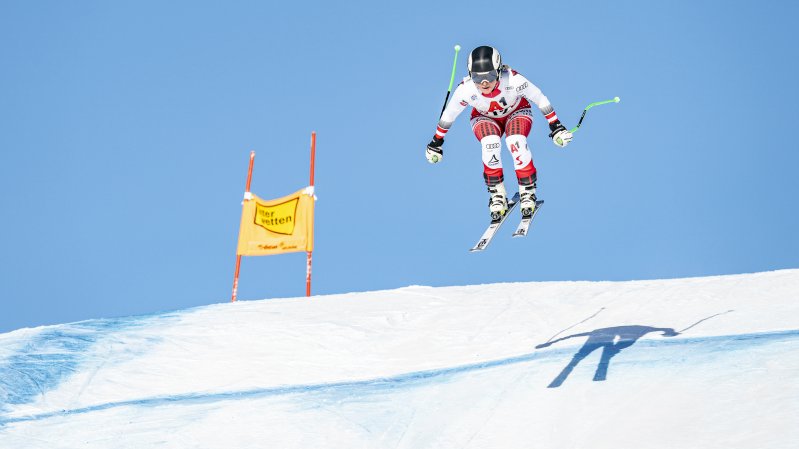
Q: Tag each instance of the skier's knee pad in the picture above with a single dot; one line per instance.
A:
(522, 158)
(492, 162)
(492, 147)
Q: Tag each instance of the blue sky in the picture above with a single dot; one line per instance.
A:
(125, 130)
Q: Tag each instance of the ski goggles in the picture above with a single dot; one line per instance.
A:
(484, 76)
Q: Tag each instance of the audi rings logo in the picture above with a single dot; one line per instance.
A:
(492, 146)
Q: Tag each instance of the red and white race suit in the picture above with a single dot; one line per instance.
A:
(507, 111)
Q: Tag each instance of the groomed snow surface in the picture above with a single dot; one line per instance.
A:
(684, 363)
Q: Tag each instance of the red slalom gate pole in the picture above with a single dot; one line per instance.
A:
(238, 256)
(310, 255)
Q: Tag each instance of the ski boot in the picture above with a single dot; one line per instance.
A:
(498, 201)
(527, 200)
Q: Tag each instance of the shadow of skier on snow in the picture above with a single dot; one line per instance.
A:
(612, 340)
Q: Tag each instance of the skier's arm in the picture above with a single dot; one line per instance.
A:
(559, 134)
(434, 153)
(454, 108)
(532, 93)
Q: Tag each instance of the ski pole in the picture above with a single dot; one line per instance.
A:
(451, 79)
(614, 100)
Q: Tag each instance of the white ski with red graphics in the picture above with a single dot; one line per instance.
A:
(494, 226)
(524, 225)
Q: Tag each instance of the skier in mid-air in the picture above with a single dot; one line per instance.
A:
(500, 98)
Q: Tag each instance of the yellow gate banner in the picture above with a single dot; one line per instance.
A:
(277, 226)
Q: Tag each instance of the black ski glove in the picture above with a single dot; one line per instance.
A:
(434, 152)
(555, 127)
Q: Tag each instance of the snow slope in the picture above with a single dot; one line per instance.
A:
(700, 363)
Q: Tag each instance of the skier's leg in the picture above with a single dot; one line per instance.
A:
(492, 161)
(518, 128)
(489, 133)
(522, 159)
(492, 173)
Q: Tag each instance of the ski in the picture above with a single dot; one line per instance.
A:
(524, 225)
(494, 226)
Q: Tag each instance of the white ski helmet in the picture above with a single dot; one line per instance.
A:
(484, 64)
